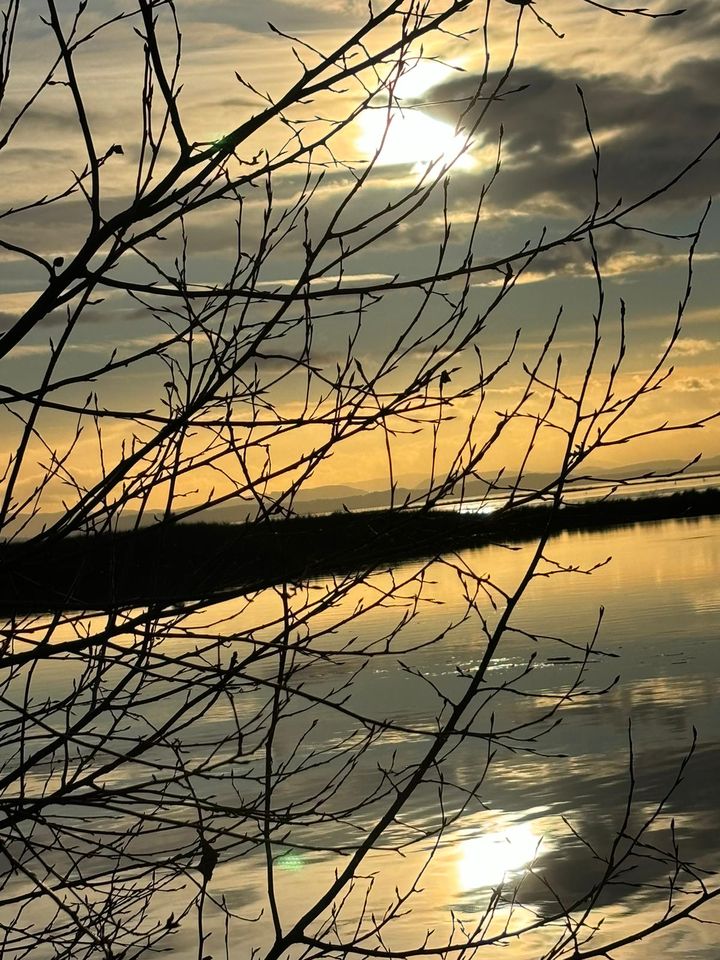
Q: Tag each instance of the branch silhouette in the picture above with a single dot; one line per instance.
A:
(159, 740)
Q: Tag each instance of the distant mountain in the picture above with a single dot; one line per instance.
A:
(330, 492)
(330, 498)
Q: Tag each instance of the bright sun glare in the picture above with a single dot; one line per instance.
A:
(484, 861)
(413, 138)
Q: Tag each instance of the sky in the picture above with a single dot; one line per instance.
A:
(649, 87)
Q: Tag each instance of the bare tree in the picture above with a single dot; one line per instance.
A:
(146, 744)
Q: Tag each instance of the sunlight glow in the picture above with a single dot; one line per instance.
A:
(484, 861)
(419, 77)
(413, 138)
(480, 508)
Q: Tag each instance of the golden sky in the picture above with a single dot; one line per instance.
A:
(650, 86)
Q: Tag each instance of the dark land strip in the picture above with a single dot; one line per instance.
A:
(169, 563)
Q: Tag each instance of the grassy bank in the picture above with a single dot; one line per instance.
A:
(176, 562)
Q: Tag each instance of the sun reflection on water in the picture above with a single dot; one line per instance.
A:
(486, 860)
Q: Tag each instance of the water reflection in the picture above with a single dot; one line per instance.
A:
(662, 614)
(489, 859)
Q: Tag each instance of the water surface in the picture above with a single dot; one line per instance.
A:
(555, 803)
(592, 699)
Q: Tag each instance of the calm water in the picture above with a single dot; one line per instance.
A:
(661, 628)
(659, 634)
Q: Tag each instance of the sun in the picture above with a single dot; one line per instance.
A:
(408, 136)
(411, 138)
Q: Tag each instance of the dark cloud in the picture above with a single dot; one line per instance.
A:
(700, 20)
(99, 314)
(618, 251)
(647, 130)
(50, 116)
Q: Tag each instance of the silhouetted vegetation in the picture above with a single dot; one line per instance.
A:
(192, 561)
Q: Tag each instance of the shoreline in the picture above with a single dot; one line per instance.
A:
(188, 562)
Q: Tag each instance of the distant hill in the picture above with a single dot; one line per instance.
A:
(330, 498)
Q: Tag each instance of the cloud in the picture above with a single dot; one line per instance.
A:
(696, 385)
(699, 22)
(110, 311)
(620, 254)
(649, 129)
(102, 347)
(290, 16)
(692, 348)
